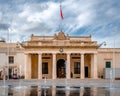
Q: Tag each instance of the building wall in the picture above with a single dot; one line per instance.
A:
(72, 65)
(20, 61)
(88, 64)
(34, 66)
(3, 59)
(117, 60)
(49, 61)
(102, 58)
(107, 54)
(104, 54)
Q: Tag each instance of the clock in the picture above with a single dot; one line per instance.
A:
(61, 50)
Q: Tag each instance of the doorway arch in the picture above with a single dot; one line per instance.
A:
(61, 73)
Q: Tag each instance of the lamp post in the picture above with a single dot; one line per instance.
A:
(114, 59)
(8, 51)
(103, 43)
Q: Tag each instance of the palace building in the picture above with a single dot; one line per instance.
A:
(59, 56)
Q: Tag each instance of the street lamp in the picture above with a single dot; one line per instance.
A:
(8, 51)
(103, 43)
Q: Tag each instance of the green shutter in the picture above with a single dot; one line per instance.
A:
(108, 64)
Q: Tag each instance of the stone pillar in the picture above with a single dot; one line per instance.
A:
(27, 69)
(68, 66)
(92, 63)
(54, 66)
(95, 75)
(40, 66)
(82, 66)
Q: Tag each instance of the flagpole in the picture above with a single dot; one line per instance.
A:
(60, 19)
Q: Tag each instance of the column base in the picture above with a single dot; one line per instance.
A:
(82, 78)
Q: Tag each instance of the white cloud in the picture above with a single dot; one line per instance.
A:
(0, 16)
(98, 17)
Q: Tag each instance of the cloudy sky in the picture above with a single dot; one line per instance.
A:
(98, 18)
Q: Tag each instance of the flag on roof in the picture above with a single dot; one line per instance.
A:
(61, 14)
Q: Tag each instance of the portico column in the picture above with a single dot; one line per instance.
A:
(95, 74)
(54, 66)
(82, 66)
(68, 66)
(40, 66)
(27, 68)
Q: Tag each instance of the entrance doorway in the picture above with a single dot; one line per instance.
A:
(61, 68)
(86, 71)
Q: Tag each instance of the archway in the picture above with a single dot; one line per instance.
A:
(61, 68)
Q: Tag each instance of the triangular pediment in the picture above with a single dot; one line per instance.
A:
(60, 36)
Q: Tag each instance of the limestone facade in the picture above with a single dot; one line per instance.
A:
(58, 56)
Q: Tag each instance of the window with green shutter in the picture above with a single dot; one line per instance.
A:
(108, 64)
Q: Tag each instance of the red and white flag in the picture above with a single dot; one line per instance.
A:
(61, 14)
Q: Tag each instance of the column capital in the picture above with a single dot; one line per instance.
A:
(54, 53)
(26, 53)
(40, 53)
(68, 53)
(95, 53)
(82, 53)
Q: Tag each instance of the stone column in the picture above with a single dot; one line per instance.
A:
(54, 66)
(82, 66)
(27, 68)
(92, 63)
(68, 66)
(95, 75)
(40, 66)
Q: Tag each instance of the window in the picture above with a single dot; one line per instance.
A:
(108, 64)
(11, 59)
(76, 67)
(45, 68)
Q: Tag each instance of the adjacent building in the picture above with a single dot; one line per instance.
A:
(59, 56)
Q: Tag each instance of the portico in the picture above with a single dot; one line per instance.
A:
(61, 56)
(61, 65)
